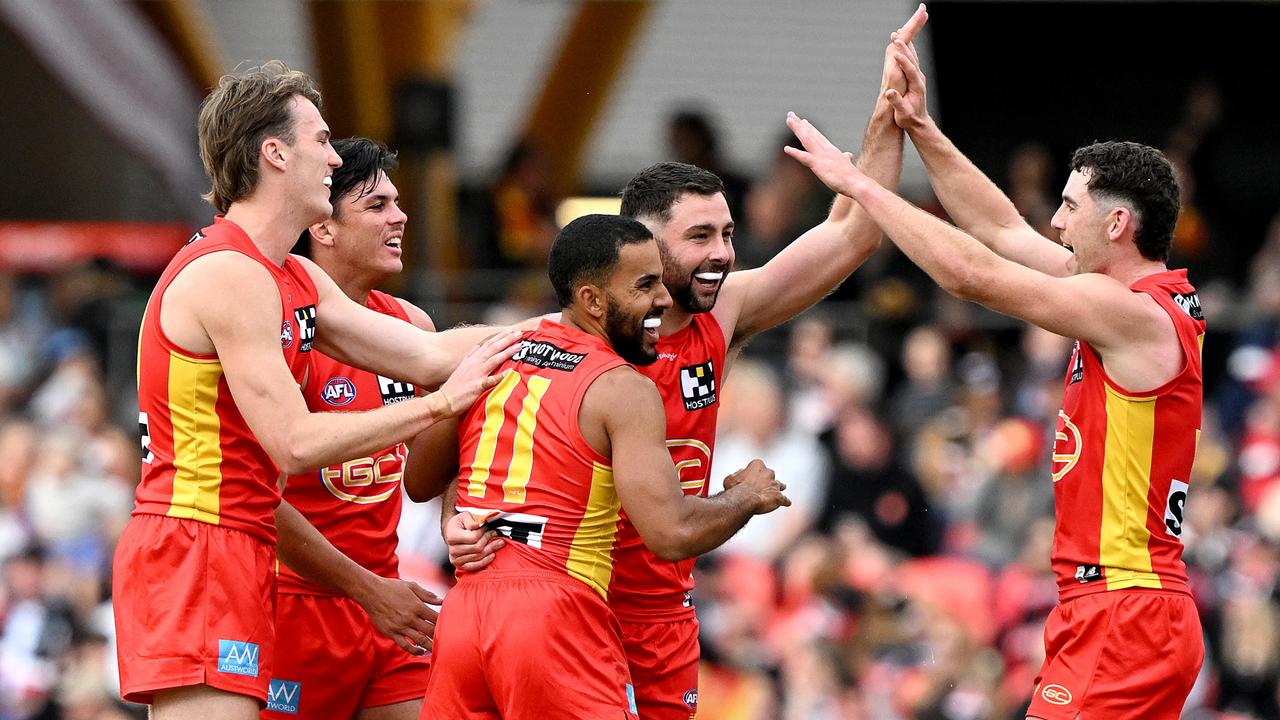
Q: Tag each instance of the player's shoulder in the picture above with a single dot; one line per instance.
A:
(416, 315)
(223, 267)
(622, 388)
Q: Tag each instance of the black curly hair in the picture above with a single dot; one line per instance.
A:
(1141, 177)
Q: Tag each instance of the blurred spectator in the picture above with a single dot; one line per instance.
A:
(1031, 185)
(692, 138)
(525, 207)
(753, 424)
(780, 207)
(928, 387)
(868, 480)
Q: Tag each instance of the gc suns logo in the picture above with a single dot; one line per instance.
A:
(1056, 694)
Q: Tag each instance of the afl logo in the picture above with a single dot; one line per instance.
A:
(338, 392)
(286, 334)
(691, 698)
(1056, 694)
(1066, 447)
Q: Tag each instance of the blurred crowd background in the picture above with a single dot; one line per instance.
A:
(910, 580)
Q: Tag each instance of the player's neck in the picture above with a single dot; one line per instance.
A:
(356, 286)
(674, 320)
(583, 322)
(1131, 270)
(273, 226)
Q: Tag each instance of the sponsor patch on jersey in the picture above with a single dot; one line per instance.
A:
(631, 699)
(691, 698)
(698, 385)
(1173, 509)
(1190, 304)
(1077, 365)
(394, 391)
(286, 334)
(338, 391)
(542, 354)
(1088, 573)
(306, 318)
(199, 235)
(1056, 694)
(283, 696)
(238, 658)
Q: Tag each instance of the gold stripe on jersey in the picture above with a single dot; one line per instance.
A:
(493, 421)
(1126, 481)
(522, 454)
(197, 441)
(591, 554)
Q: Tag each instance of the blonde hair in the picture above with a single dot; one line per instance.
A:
(244, 109)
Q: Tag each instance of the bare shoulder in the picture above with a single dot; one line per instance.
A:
(621, 392)
(214, 294)
(417, 316)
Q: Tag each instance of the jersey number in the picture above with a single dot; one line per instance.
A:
(495, 418)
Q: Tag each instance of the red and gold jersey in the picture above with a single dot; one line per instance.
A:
(199, 459)
(1122, 462)
(688, 374)
(356, 504)
(525, 465)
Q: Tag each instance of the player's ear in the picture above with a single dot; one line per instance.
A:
(272, 152)
(322, 233)
(1121, 219)
(591, 299)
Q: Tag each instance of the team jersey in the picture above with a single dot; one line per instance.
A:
(1122, 462)
(525, 465)
(355, 504)
(688, 372)
(200, 461)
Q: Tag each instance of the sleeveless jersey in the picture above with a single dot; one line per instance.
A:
(1122, 462)
(525, 465)
(200, 461)
(356, 504)
(688, 372)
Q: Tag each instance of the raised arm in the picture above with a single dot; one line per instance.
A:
(809, 268)
(622, 409)
(243, 331)
(1091, 307)
(971, 199)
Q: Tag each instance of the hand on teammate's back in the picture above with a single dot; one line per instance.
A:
(474, 375)
(758, 480)
(471, 544)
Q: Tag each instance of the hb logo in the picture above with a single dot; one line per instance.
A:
(394, 391)
(238, 658)
(698, 385)
(306, 317)
(1077, 365)
(283, 696)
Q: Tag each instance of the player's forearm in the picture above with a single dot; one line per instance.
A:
(955, 260)
(972, 200)
(448, 505)
(310, 554)
(432, 463)
(705, 524)
(319, 439)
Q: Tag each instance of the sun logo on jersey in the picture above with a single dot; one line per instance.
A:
(1066, 446)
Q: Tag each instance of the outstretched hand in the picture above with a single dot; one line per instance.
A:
(906, 90)
(831, 165)
(892, 76)
(474, 375)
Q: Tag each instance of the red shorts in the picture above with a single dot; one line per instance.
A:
(331, 661)
(663, 657)
(194, 605)
(1121, 654)
(527, 645)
